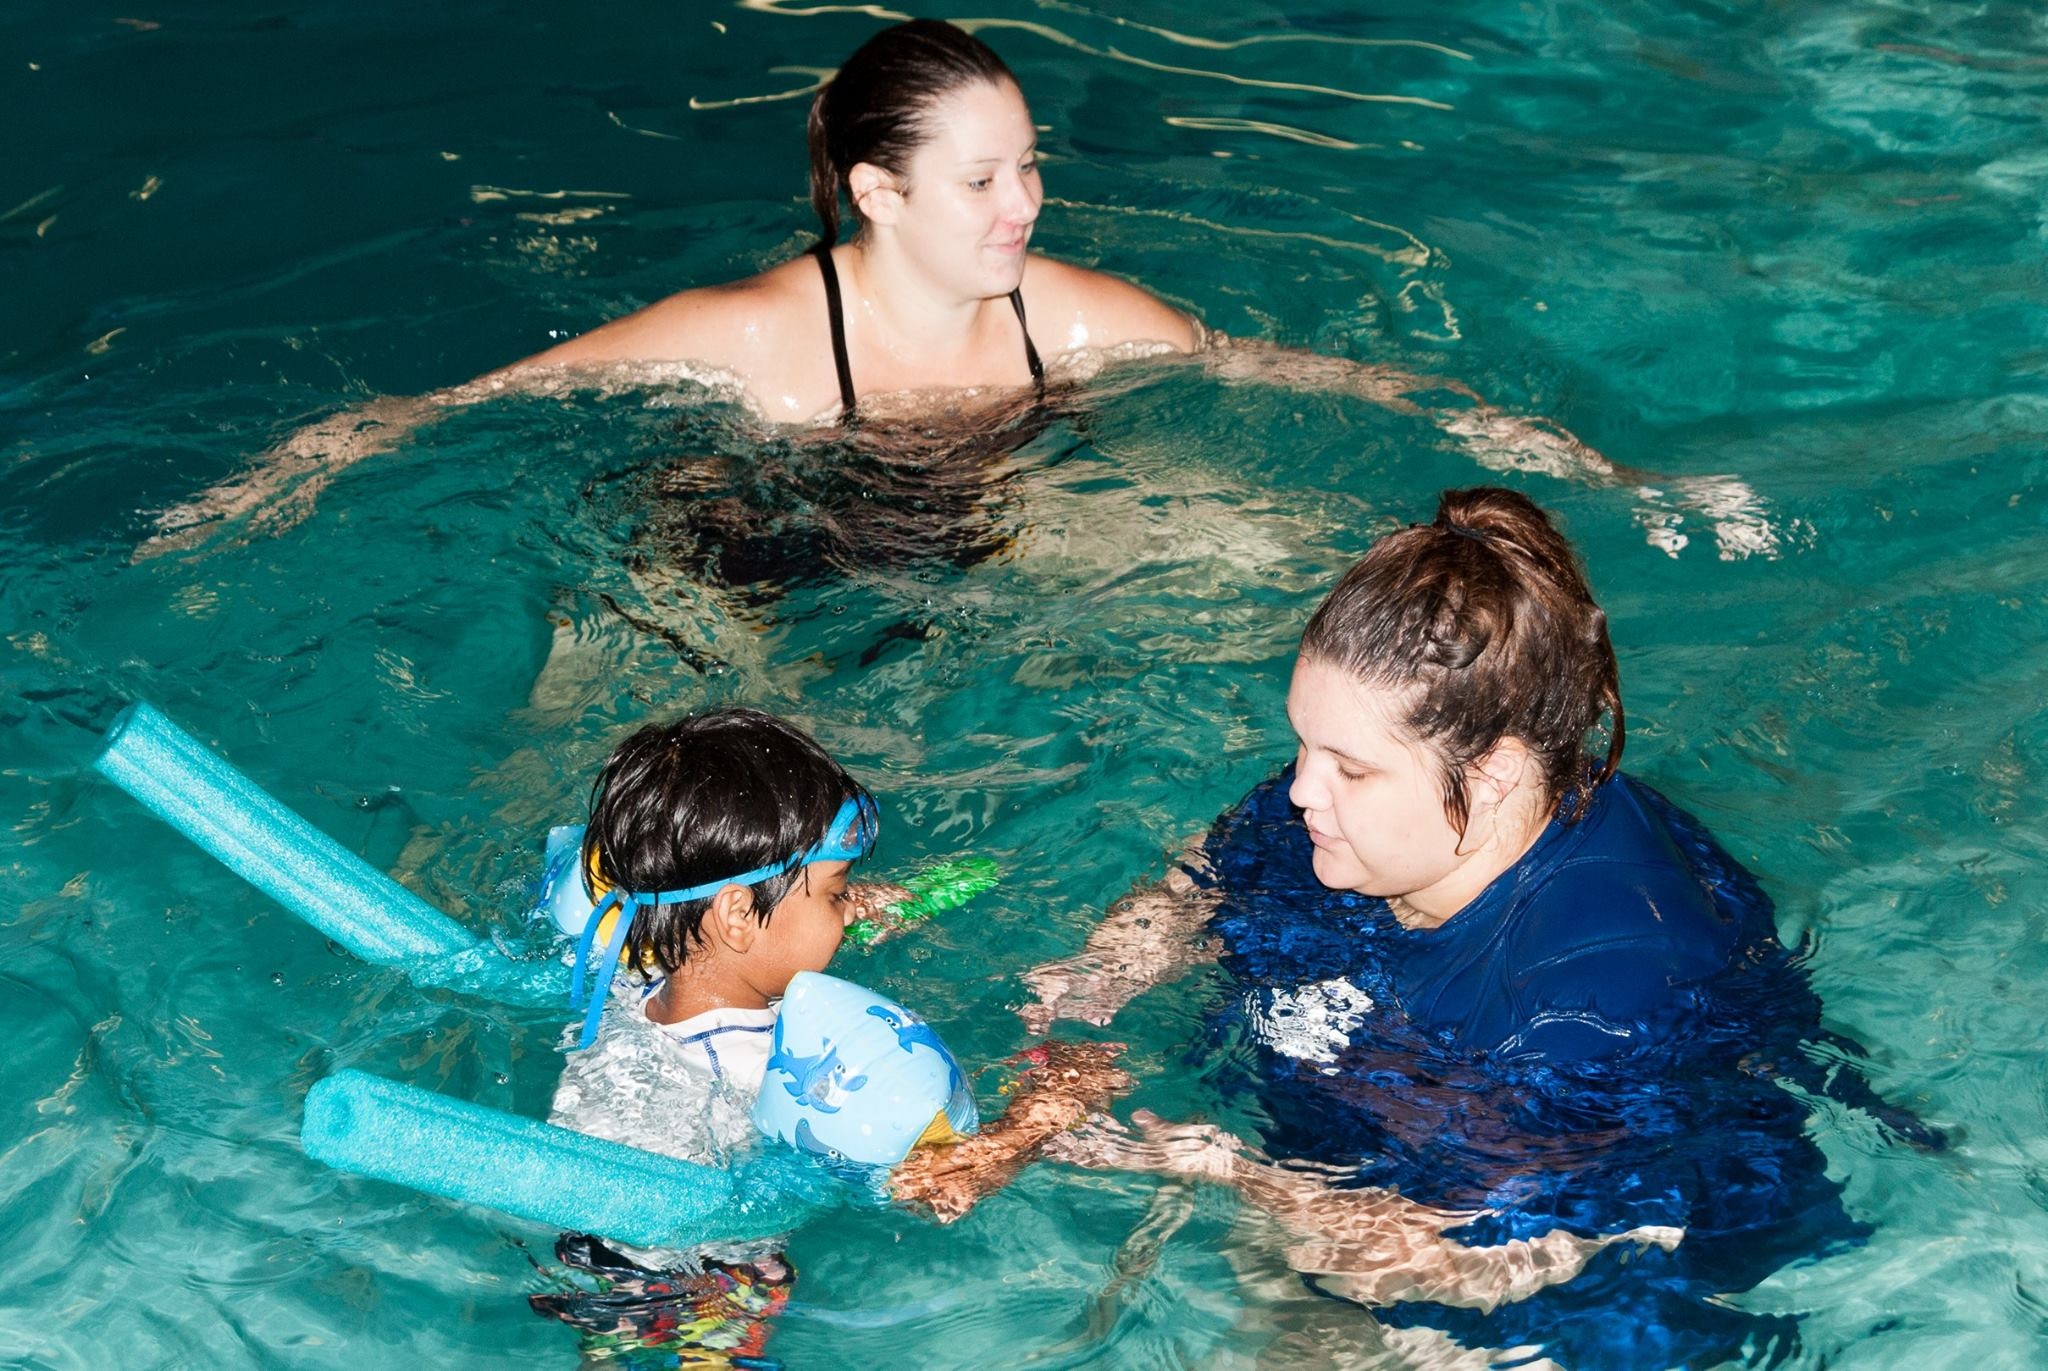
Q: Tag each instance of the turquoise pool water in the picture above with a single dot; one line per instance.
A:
(1800, 245)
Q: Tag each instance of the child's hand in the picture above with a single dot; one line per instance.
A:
(1071, 1079)
(874, 901)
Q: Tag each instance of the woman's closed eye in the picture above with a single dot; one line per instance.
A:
(1353, 770)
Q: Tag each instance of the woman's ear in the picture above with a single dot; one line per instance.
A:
(730, 923)
(876, 193)
(1500, 773)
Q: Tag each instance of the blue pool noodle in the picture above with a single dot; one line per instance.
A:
(373, 1127)
(269, 846)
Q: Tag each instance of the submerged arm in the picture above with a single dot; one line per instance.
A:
(1148, 937)
(279, 489)
(1499, 441)
(651, 345)
(1369, 1245)
(1496, 439)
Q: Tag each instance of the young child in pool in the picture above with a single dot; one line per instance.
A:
(747, 833)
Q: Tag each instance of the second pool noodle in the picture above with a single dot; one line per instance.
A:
(274, 849)
(414, 1137)
(369, 1126)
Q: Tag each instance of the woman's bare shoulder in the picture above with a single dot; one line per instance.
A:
(716, 324)
(1074, 309)
(757, 333)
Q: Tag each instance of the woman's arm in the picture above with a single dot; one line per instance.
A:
(1089, 319)
(1065, 1083)
(1369, 1245)
(1148, 937)
(279, 489)
(712, 336)
(1095, 320)
(1495, 439)
(1738, 518)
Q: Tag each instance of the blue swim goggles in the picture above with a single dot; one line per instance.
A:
(848, 839)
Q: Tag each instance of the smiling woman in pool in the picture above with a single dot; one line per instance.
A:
(926, 134)
(1535, 904)
(934, 305)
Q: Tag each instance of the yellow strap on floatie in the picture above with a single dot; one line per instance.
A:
(599, 888)
(938, 1133)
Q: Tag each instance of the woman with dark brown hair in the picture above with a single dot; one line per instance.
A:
(1470, 961)
(932, 308)
(1535, 899)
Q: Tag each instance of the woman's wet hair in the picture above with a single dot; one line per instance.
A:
(877, 108)
(1484, 620)
(711, 795)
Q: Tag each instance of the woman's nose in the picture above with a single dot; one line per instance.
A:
(1306, 792)
(1021, 204)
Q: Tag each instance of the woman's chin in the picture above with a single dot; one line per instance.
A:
(1001, 273)
(1335, 871)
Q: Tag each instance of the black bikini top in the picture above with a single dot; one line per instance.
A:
(837, 311)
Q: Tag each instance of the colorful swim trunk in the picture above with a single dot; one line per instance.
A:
(638, 1320)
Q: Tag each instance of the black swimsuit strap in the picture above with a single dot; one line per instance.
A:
(837, 313)
(1030, 352)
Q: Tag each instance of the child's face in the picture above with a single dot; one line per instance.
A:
(805, 929)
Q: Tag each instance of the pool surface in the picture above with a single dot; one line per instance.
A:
(1788, 258)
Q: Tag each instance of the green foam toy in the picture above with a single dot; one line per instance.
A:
(934, 889)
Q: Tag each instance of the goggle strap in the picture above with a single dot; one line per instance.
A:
(852, 833)
(628, 907)
(584, 942)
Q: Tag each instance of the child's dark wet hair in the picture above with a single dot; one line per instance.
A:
(709, 796)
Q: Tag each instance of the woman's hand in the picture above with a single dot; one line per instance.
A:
(1148, 937)
(1189, 1151)
(1501, 441)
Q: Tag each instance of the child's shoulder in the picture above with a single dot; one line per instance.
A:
(730, 1045)
(663, 1087)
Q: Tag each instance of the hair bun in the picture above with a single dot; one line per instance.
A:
(1508, 521)
(1488, 510)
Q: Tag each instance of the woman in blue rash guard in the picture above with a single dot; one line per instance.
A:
(1470, 960)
